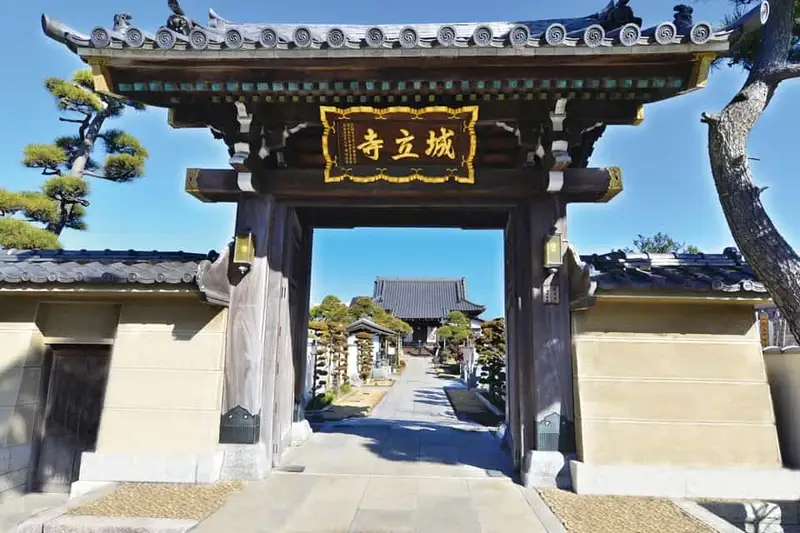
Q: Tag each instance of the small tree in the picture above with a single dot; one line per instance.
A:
(661, 243)
(491, 347)
(35, 219)
(322, 338)
(365, 344)
(338, 334)
(455, 333)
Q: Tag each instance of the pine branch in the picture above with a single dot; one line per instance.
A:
(788, 71)
(51, 172)
(74, 120)
(98, 176)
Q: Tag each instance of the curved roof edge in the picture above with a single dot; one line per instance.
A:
(614, 25)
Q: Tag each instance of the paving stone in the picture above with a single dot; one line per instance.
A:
(411, 466)
(380, 521)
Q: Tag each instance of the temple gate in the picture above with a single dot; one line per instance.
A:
(473, 126)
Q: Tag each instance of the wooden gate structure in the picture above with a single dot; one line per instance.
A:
(461, 125)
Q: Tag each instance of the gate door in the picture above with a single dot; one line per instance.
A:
(74, 403)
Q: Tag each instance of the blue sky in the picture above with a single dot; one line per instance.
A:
(668, 186)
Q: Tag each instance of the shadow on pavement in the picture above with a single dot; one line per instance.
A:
(418, 441)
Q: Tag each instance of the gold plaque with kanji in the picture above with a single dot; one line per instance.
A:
(399, 144)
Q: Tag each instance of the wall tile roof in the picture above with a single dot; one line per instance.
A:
(99, 267)
(365, 324)
(597, 30)
(726, 272)
(425, 298)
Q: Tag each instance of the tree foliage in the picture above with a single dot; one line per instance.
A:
(366, 307)
(364, 345)
(455, 333)
(331, 309)
(36, 218)
(322, 340)
(661, 243)
(771, 56)
(491, 348)
(338, 350)
(743, 51)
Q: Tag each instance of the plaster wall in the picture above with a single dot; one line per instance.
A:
(21, 357)
(783, 371)
(164, 387)
(352, 354)
(165, 382)
(352, 357)
(673, 384)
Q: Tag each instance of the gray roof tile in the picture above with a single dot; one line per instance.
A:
(99, 267)
(425, 298)
(726, 272)
(596, 30)
(365, 324)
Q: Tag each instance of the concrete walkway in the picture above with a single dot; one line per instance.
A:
(411, 467)
(16, 510)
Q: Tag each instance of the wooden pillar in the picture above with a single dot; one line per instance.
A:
(302, 294)
(512, 305)
(246, 363)
(272, 323)
(544, 346)
(551, 341)
(284, 342)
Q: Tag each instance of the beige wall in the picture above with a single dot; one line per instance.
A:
(680, 384)
(165, 382)
(21, 352)
(783, 371)
(165, 379)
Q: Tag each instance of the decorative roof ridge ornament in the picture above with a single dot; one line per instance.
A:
(616, 15)
(581, 285)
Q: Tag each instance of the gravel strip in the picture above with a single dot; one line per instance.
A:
(161, 500)
(619, 514)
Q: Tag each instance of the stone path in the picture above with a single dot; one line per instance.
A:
(16, 510)
(411, 467)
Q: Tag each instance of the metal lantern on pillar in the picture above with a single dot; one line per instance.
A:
(553, 251)
(244, 251)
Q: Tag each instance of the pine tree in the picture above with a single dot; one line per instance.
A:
(322, 338)
(338, 334)
(491, 347)
(365, 344)
(35, 219)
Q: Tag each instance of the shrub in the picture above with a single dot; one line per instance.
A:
(346, 388)
(321, 400)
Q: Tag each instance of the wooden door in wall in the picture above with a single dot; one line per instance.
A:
(284, 371)
(70, 419)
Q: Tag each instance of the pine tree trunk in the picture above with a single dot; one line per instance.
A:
(78, 168)
(776, 264)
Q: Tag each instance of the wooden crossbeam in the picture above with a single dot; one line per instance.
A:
(304, 186)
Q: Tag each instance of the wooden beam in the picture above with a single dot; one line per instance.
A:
(275, 115)
(347, 216)
(301, 186)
